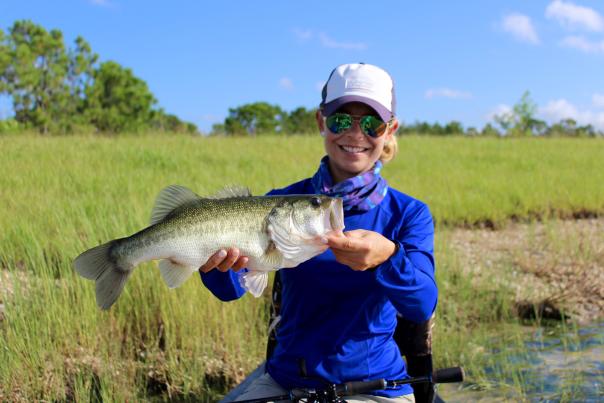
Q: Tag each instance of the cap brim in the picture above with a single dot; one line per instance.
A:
(336, 104)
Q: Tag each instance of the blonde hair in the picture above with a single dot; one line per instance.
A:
(390, 149)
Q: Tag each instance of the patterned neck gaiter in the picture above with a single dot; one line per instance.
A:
(360, 193)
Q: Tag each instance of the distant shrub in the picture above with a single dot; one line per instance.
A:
(9, 126)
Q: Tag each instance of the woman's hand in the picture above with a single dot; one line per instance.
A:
(224, 260)
(360, 249)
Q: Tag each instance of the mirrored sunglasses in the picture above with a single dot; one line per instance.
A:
(371, 126)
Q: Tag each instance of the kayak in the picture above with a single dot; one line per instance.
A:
(239, 389)
(260, 370)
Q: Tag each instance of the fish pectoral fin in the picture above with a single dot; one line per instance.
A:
(175, 274)
(284, 242)
(295, 250)
(305, 252)
(254, 281)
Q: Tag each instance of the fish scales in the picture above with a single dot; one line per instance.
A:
(272, 231)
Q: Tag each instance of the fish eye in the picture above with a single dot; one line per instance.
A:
(315, 201)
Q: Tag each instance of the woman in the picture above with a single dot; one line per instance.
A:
(339, 309)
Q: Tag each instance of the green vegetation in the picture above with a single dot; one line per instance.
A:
(59, 90)
(263, 118)
(62, 195)
(520, 121)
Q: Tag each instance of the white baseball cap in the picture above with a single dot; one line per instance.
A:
(359, 82)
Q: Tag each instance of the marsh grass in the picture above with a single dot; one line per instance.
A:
(481, 275)
(61, 196)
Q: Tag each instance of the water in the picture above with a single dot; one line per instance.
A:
(555, 364)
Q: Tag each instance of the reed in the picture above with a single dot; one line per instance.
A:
(63, 195)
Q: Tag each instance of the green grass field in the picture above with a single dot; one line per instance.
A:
(63, 195)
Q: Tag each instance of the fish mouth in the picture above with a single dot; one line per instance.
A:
(336, 215)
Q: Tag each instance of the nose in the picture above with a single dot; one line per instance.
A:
(355, 130)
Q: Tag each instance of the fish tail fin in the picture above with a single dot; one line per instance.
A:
(254, 281)
(97, 264)
(175, 274)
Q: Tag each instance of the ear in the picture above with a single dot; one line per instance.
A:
(392, 128)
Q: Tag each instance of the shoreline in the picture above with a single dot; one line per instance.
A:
(555, 268)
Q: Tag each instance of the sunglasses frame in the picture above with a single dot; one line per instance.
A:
(356, 118)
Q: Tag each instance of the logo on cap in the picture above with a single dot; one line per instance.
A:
(356, 84)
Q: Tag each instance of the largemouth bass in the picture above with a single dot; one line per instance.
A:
(272, 231)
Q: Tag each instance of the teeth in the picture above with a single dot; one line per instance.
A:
(353, 149)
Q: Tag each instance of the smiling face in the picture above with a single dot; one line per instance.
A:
(352, 153)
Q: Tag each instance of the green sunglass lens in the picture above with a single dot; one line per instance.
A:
(372, 126)
(339, 122)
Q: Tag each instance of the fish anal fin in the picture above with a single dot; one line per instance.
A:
(174, 273)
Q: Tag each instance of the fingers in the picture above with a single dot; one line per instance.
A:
(240, 263)
(213, 261)
(229, 260)
(224, 260)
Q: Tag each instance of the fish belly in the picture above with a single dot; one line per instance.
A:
(195, 250)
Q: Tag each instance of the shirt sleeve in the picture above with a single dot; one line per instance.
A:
(408, 276)
(224, 285)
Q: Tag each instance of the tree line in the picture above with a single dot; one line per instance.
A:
(264, 118)
(57, 89)
(60, 89)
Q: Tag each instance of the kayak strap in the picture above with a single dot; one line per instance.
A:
(414, 340)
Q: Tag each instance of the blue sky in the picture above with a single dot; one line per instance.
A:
(450, 60)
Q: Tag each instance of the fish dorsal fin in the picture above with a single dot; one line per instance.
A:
(231, 191)
(170, 198)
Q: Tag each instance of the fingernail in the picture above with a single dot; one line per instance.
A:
(222, 253)
(323, 240)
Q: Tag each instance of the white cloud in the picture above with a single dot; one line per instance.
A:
(573, 16)
(303, 34)
(499, 110)
(521, 28)
(286, 83)
(446, 93)
(328, 42)
(583, 44)
(598, 100)
(560, 109)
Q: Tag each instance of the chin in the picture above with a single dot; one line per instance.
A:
(354, 169)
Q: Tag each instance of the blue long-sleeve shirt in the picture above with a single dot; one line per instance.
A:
(342, 321)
